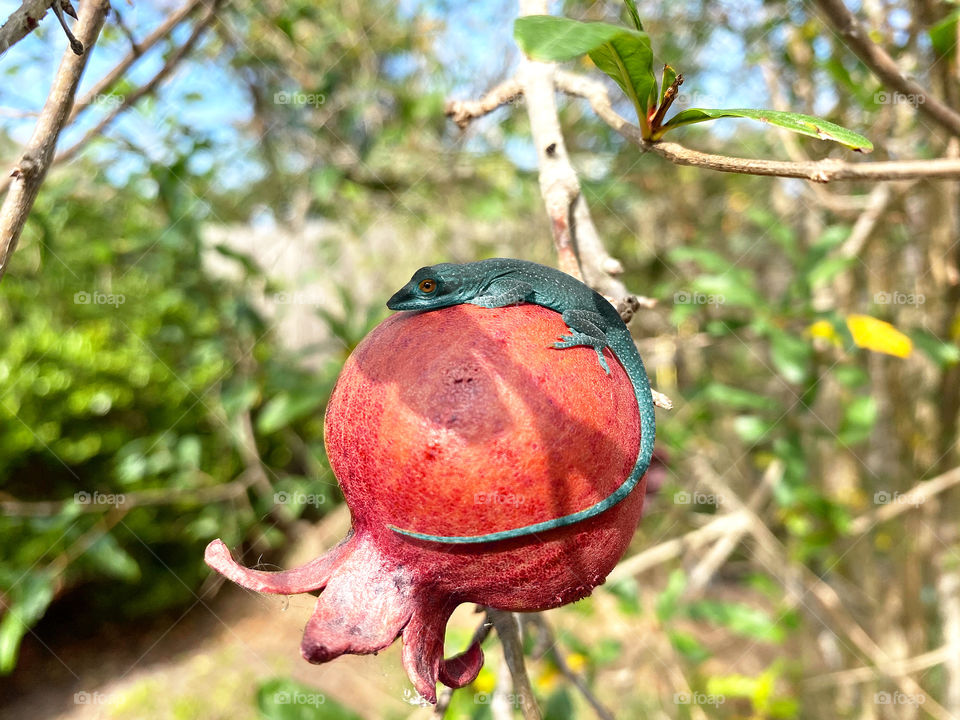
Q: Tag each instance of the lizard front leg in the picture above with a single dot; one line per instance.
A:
(585, 330)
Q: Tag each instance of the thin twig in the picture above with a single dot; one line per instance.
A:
(675, 547)
(22, 22)
(137, 51)
(552, 650)
(508, 630)
(11, 507)
(775, 558)
(462, 112)
(32, 167)
(819, 171)
(884, 67)
(145, 89)
(822, 171)
(702, 573)
(906, 666)
(910, 500)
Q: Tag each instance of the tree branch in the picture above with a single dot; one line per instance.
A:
(884, 67)
(822, 171)
(138, 49)
(30, 171)
(145, 89)
(552, 650)
(508, 630)
(22, 22)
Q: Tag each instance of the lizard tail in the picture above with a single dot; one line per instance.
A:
(627, 353)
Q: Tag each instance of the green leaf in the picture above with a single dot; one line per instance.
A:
(790, 355)
(286, 699)
(284, 408)
(859, 417)
(795, 122)
(112, 560)
(668, 601)
(627, 593)
(739, 618)
(559, 705)
(634, 15)
(30, 599)
(688, 646)
(751, 428)
(827, 269)
(623, 54)
(733, 398)
(943, 35)
(943, 353)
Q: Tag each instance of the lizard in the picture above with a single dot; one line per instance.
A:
(591, 320)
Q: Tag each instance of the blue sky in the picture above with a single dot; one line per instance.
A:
(475, 47)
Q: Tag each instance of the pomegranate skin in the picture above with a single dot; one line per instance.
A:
(463, 421)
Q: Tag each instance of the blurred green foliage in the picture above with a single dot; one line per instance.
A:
(152, 399)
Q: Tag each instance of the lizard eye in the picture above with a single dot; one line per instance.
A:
(427, 285)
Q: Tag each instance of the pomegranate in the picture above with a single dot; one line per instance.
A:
(462, 421)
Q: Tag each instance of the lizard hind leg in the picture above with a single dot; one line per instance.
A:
(585, 330)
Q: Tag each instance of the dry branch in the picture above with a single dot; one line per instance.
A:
(508, 630)
(32, 167)
(145, 89)
(22, 22)
(884, 67)
(822, 171)
(910, 500)
(775, 558)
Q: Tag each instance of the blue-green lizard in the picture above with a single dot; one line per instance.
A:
(592, 321)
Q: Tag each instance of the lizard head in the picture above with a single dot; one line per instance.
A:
(430, 288)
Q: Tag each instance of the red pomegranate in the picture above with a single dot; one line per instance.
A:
(462, 421)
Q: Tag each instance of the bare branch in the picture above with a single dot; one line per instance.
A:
(108, 80)
(894, 667)
(910, 500)
(30, 171)
(508, 630)
(145, 89)
(884, 67)
(138, 49)
(669, 549)
(13, 507)
(464, 111)
(553, 652)
(22, 22)
(775, 558)
(822, 171)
